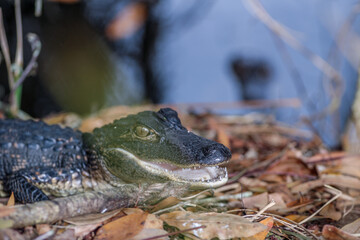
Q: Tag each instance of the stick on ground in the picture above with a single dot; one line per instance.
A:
(88, 202)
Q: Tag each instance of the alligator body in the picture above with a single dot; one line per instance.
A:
(38, 160)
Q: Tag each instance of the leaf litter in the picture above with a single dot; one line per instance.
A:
(283, 184)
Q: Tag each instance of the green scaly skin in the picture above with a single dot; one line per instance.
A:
(149, 147)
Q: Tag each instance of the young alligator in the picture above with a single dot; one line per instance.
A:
(38, 160)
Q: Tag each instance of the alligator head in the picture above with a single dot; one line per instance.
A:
(155, 147)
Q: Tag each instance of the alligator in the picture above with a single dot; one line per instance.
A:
(40, 161)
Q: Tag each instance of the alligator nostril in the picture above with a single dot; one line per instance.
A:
(209, 150)
(215, 153)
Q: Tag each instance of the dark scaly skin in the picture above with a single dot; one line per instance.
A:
(38, 160)
(35, 151)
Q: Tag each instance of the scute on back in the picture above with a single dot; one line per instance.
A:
(28, 144)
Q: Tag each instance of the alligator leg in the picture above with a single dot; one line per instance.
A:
(30, 185)
(24, 191)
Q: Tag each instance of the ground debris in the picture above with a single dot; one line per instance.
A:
(282, 181)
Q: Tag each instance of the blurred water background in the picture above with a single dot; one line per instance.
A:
(103, 53)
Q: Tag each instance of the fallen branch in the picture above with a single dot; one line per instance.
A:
(88, 202)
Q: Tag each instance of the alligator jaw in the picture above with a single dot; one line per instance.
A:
(200, 176)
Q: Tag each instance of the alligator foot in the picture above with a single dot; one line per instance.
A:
(24, 191)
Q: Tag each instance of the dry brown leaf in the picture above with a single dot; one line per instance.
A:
(293, 217)
(257, 201)
(129, 211)
(261, 200)
(278, 198)
(220, 225)
(65, 119)
(330, 232)
(275, 140)
(222, 137)
(153, 222)
(349, 166)
(42, 228)
(92, 218)
(68, 234)
(167, 202)
(108, 115)
(83, 230)
(329, 156)
(272, 178)
(128, 21)
(152, 227)
(252, 182)
(123, 228)
(353, 227)
(289, 166)
(329, 211)
(269, 223)
(151, 233)
(11, 201)
(336, 180)
(238, 143)
(89, 124)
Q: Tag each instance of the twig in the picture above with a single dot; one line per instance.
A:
(283, 220)
(263, 165)
(46, 235)
(5, 51)
(280, 30)
(197, 194)
(36, 48)
(339, 193)
(179, 205)
(127, 195)
(338, 46)
(19, 39)
(269, 205)
(257, 8)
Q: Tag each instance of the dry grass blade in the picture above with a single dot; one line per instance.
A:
(294, 226)
(256, 216)
(339, 193)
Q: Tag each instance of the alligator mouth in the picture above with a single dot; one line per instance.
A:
(198, 176)
(201, 176)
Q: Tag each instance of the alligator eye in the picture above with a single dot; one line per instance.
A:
(142, 131)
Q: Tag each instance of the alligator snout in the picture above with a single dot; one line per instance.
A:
(214, 154)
